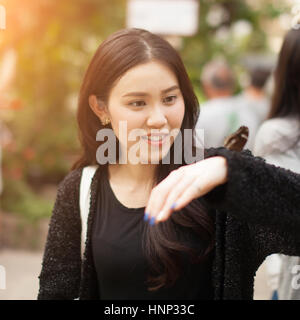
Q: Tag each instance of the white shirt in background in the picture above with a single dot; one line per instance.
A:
(278, 142)
(222, 116)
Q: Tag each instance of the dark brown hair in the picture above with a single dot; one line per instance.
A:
(286, 97)
(117, 54)
(259, 76)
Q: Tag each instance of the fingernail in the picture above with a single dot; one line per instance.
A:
(173, 205)
(152, 221)
(146, 216)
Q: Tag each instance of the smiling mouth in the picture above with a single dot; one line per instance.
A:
(155, 139)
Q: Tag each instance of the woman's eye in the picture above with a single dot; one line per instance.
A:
(137, 103)
(170, 99)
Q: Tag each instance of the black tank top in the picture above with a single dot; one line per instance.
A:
(120, 263)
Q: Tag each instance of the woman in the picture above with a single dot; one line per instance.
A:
(278, 141)
(211, 222)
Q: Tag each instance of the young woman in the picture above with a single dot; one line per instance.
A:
(161, 231)
(278, 141)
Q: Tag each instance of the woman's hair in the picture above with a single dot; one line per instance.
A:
(286, 97)
(119, 53)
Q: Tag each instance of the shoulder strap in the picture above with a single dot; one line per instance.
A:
(84, 202)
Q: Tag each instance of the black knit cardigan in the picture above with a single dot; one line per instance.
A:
(257, 213)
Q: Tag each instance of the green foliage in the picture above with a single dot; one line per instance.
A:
(20, 199)
(52, 57)
(222, 39)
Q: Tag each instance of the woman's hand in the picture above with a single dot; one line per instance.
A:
(183, 185)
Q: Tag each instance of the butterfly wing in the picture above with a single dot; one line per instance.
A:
(237, 140)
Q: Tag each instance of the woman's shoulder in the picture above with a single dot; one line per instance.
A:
(70, 183)
(274, 133)
(286, 122)
(280, 126)
(72, 177)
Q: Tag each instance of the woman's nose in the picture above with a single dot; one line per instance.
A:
(156, 117)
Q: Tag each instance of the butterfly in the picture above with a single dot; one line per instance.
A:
(237, 140)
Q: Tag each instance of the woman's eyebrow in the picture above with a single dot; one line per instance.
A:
(170, 89)
(143, 94)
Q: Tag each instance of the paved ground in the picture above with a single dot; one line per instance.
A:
(23, 267)
(22, 270)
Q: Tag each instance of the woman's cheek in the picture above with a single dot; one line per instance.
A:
(128, 128)
(176, 115)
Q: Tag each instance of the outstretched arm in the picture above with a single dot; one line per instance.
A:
(266, 197)
(258, 192)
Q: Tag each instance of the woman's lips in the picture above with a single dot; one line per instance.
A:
(155, 140)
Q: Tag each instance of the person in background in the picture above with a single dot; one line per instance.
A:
(221, 115)
(218, 80)
(254, 96)
(278, 141)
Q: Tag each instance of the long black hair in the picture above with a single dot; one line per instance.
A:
(117, 54)
(286, 97)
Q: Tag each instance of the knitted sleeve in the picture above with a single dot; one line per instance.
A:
(265, 197)
(61, 267)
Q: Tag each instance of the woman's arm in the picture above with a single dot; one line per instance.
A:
(257, 192)
(60, 274)
(266, 197)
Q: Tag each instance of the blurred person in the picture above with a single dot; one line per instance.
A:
(161, 230)
(222, 114)
(278, 141)
(254, 96)
(218, 80)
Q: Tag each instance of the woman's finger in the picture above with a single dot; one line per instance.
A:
(195, 190)
(173, 196)
(159, 194)
(204, 176)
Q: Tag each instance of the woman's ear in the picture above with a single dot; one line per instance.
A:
(97, 106)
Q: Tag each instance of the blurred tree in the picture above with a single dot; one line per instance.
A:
(230, 29)
(54, 42)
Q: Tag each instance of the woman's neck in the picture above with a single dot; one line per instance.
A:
(254, 93)
(132, 175)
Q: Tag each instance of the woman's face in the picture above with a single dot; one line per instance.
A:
(147, 97)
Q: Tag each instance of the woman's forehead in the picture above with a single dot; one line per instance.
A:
(148, 76)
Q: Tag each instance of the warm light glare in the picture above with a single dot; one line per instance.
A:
(2, 17)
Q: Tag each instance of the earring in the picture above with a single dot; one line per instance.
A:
(105, 122)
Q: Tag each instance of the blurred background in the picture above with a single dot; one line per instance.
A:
(45, 47)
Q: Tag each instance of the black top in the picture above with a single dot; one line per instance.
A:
(120, 263)
(256, 214)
